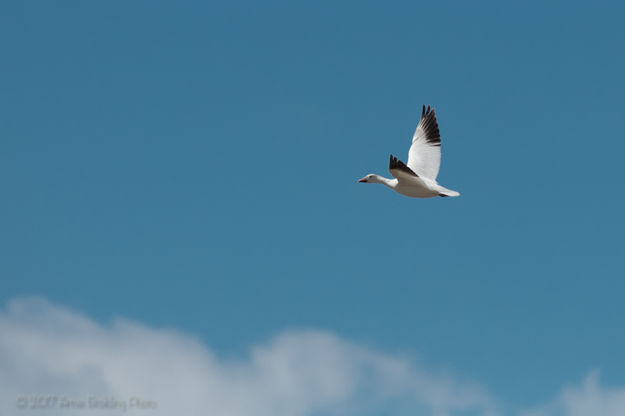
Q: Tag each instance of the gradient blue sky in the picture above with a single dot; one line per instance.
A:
(194, 166)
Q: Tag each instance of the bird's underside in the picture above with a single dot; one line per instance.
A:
(411, 184)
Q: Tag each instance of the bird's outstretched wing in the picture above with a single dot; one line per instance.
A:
(400, 171)
(424, 157)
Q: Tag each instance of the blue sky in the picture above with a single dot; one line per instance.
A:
(193, 166)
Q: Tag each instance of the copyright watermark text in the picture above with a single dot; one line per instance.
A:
(53, 401)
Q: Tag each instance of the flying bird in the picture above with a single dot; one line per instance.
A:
(417, 179)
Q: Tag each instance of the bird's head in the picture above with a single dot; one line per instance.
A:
(370, 178)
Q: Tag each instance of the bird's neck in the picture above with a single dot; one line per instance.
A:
(391, 183)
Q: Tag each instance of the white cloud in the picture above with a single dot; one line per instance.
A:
(588, 399)
(48, 351)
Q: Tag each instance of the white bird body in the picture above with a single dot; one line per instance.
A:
(418, 187)
(417, 179)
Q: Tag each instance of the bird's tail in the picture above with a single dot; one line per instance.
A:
(447, 192)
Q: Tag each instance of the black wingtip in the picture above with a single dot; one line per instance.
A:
(427, 110)
(430, 126)
(396, 164)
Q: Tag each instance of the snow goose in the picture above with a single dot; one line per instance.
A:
(417, 179)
